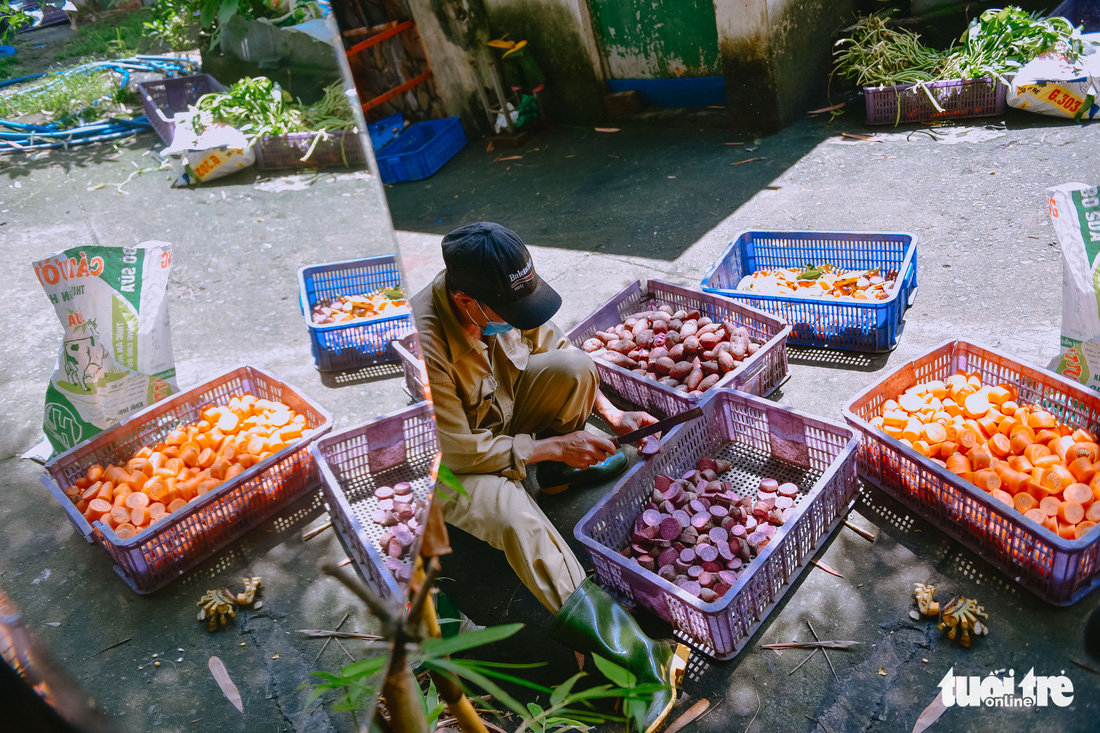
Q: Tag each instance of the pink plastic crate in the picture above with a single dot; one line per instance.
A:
(400, 446)
(1057, 570)
(762, 440)
(416, 376)
(170, 548)
(760, 374)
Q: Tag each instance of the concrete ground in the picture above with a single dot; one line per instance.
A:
(600, 210)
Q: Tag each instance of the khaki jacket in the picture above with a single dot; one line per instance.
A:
(473, 385)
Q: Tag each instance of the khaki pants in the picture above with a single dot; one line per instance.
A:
(555, 393)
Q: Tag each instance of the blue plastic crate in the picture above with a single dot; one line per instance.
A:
(421, 150)
(872, 326)
(341, 346)
(386, 130)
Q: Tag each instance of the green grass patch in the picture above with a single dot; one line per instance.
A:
(80, 96)
(115, 34)
(10, 68)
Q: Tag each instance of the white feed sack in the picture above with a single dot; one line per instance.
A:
(116, 354)
(1075, 211)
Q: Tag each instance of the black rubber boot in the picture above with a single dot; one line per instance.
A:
(555, 477)
(592, 621)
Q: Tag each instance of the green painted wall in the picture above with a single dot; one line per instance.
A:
(657, 39)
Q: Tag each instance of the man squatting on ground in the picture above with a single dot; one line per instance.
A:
(510, 391)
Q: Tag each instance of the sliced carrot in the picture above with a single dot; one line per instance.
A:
(1084, 449)
(92, 491)
(980, 457)
(1024, 502)
(1079, 493)
(95, 472)
(1036, 515)
(106, 491)
(1067, 531)
(1085, 436)
(228, 422)
(1082, 470)
(1048, 462)
(958, 464)
(1009, 407)
(1019, 463)
(189, 454)
(98, 507)
(156, 511)
(1045, 436)
(1071, 512)
(115, 474)
(136, 500)
(1006, 425)
(987, 481)
(1049, 506)
(1035, 451)
(1041, 419)
(1000, 445)
(1003, 496)
(934, 433)
(939, 463)
(1015, 481)
(157, 459)
(1092, 514)
(119, 515)
(976, 405)
(172, 451)
(125, 531)
(989, 426)
(207, 458)
(947, 449)
(1056, 479)
(176, 505)
(139, 516)
(1051, 524)
(999, 395)
(207, 485)
(235, 470)
(1080, 530)
(967, 439)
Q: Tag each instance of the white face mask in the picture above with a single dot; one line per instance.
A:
(491, 328)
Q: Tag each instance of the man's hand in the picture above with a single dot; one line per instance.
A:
(622, 423)
(583, 449)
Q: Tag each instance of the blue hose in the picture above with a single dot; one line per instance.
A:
(25, 137)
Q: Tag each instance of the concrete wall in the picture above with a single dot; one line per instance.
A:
(776, 56)
(563, 42)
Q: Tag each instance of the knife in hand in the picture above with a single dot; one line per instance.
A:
(659, 426)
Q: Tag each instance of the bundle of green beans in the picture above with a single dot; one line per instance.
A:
(877, 55)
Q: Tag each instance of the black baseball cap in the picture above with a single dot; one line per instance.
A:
(491, 263)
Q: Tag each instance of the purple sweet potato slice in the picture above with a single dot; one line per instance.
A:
(687, 555)
(689, 536)
(769, 485)
(788, 489)
(385, 504)
(682, 517)
(719, 590)
(651, 517)
(647, 562)
(695, 571)
(383, 492)
(403, 489)
(707, 553)
(690, 586)
(719, 512)
(721, 465)
(706, 579)
(724, 551)
(700, 520)
(766, 529)
(704, 464)
(708, 595)
(670, 528)
(783, 502)
(667, 572)
(718, 535)
(650, 446)
(728, 577)
(667, 556)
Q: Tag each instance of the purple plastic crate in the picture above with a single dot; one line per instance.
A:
(1057, 570)
(416, 376)
(162, 99)
(762, 440)
(959, 98)
(355, 344)
(760, 374)
(342, 148)
(400, 446)
(173, 546)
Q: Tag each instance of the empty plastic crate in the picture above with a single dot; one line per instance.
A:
(853, 325)
(762, 440)
(383, 132)
(162, 99)
(759, 374)
(176, 544)
(399, 447)
(421, 150)
(959, 98)
(338, 148)
(416, 376)
(1057, 570)
(360, 343)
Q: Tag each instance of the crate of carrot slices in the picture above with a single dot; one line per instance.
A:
(179, 480)
(1001, 456)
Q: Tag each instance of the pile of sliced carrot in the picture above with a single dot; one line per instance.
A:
(1019, 454)
(191, 460)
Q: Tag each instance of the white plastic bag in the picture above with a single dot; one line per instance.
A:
(1075, 211)
(218, 151)
(1051, 85)
(116, 355)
